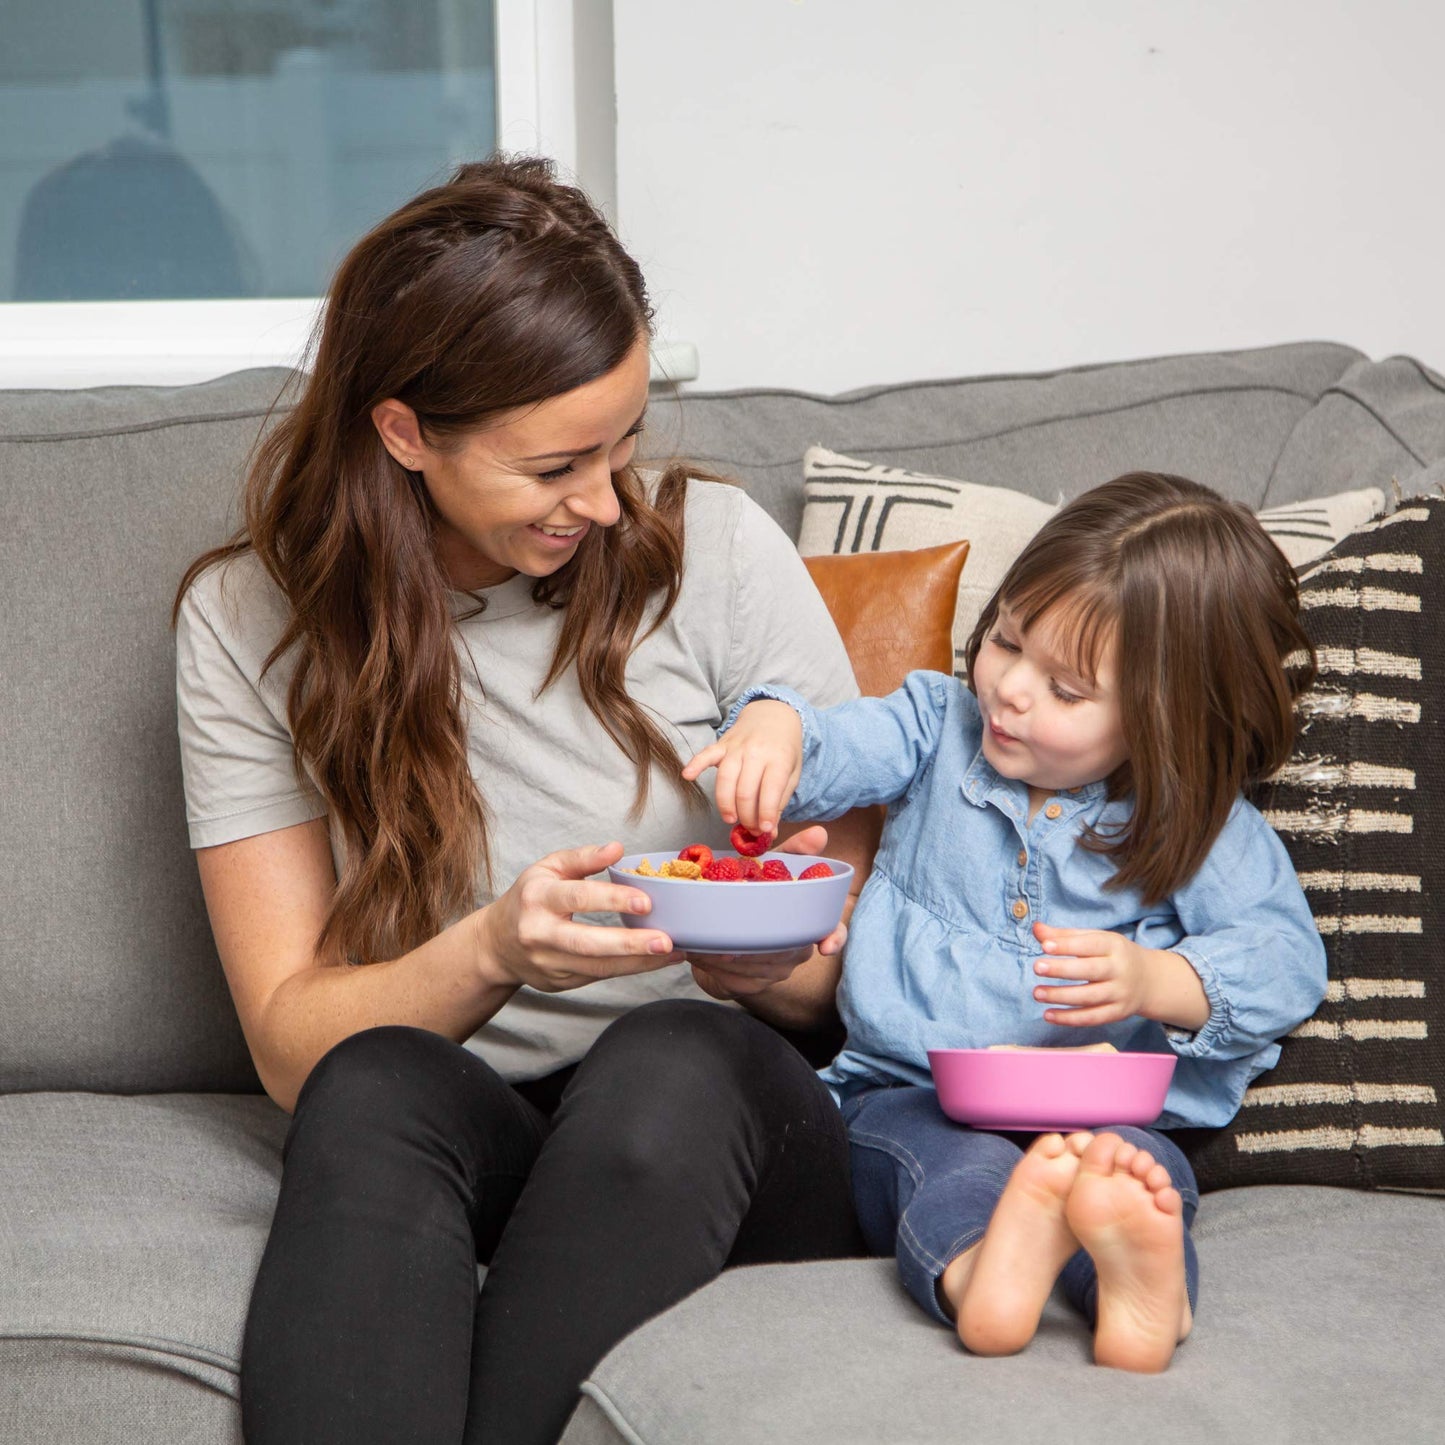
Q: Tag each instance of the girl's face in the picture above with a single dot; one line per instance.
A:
(1043, 723)
(520, 495)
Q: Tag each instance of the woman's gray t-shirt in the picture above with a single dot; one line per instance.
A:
(549, 774)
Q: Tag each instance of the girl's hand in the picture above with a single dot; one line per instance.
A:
(530, 936)
(1114, 970)
(758, 760)
(1122, 980)
(737, 975)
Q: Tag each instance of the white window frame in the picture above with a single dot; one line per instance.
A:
(554, 96)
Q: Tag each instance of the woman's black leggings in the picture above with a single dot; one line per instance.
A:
(691, 1137)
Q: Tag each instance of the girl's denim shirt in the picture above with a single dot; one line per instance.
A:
(941, 950)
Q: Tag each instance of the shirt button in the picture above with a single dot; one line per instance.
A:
(1052, 811)
(1021, 909)
(1023, 856)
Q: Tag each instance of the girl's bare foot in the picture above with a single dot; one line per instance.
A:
(1125, 1212)
(1002, 1292)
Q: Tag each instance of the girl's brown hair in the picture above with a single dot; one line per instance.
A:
(1201, 610)
(500, 289)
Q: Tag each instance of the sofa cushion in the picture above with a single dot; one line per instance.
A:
(130, 1230)
(1356, 1097)
(856, 507)
(1223, 418)
(893, 610)
(108, 976)
(1380, 424)
(1319, 1319)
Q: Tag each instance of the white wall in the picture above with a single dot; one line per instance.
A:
(831, 193)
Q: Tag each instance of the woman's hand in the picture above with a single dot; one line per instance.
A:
(1120, 979)
(529, 935)
(758, 760)
(743, 975)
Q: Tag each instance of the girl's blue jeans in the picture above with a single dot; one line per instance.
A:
(925, 1189)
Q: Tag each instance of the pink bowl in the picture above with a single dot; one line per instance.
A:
(1049, 1089)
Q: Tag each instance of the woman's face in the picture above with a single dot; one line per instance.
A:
(520, 495)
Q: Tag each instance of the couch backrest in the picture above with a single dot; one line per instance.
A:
(1265, 426)
(108, 976)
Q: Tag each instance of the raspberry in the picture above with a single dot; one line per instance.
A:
(776, 871)
(818, 870)
(722, 870)
(751, 870)
(748, 843)
(698, 853)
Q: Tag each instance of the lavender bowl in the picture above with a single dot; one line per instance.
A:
(1043, 1090)
(739, 917)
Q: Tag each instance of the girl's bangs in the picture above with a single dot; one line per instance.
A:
(1081, 616)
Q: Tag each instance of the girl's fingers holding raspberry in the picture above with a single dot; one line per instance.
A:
(750, 782)
(778, 785)
(725, 789)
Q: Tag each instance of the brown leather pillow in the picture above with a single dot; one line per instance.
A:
(893, 609)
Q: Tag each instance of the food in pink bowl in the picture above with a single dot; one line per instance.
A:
(699, 904)
(1041, 1090)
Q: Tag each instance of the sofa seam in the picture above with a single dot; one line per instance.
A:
(1338, 390)
(153, 1344)
(1084, 369)
(612, 1411)
(139, 428)
(1030, 425)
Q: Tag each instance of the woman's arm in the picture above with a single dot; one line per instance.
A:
(269, 895)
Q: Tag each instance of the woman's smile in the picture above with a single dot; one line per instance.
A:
(558, 538)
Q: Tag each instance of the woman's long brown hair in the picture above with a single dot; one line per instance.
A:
(1201, 609)
(500, 289)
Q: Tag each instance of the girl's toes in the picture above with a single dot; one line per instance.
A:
(1141, 1164)
(1077, 1142)
(1099, 1153)
(1125, 1156)
(1169, 1200)
(1156, 1178)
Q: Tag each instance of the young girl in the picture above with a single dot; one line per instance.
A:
(1079, 801)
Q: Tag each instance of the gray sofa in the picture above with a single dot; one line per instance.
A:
(139, 1161)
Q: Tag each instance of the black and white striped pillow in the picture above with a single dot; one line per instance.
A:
(1358, 1096)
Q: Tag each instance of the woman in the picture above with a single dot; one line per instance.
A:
(459, 633)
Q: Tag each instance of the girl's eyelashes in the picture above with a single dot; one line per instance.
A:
(1067, 698)
(999, 640)
(559, 472)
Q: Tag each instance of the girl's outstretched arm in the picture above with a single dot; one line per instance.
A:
(758, 761)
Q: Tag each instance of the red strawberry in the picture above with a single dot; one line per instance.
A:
(698, 853)
(751, 870)
(750, 844)
(722, 870)
(776, 871)
(818, 870)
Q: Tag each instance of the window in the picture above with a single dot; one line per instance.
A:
(181, 176)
